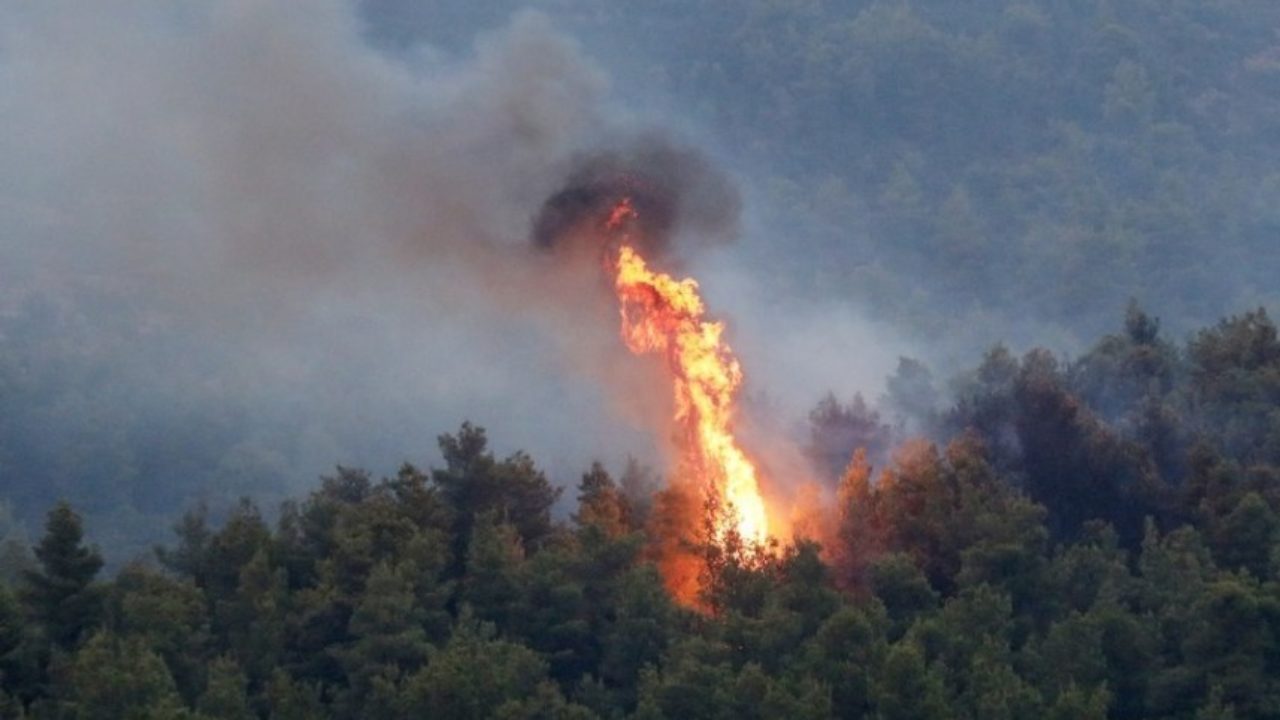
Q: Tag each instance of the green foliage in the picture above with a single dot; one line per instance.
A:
(1077, 704)
(111, 678)
(975, 170)
(1074, 465)
(474, 675)
(491, 586)
(905, 688)
(15, 556)
(1235, 376)
(60, 594)
(1011, 162)
(950, 514)
(224, 697)
(473, 483)
(844, 652)
(388, 641)
(288, 699)
(1247, 536)
(903, 590)
(168, 616)
(1042, 563)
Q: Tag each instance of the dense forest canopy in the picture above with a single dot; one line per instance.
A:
(1098, 539)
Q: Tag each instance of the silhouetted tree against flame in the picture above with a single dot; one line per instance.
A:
(861, 534)
(638, 485)
(735, 576)
(951, 514)
(602, 505)
(675, 530)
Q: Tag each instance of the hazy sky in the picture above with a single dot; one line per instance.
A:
(339, 232)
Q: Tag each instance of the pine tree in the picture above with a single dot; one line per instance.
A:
(111, 678)
(473, 484)
(288, 699)
(169, 615)
(60, 594)
(907, 689)
(388, 639)
(1076, 703)
(474, 675)
(1246, 536)
(225, 696)
(601, 505)
(491, 585)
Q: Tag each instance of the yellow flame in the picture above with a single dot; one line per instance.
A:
(663, 314)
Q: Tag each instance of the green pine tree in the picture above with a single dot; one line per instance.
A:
(61, 595)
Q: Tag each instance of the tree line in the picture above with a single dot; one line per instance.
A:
(1095, 538)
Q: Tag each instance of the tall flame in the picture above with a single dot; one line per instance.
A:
(661, 314)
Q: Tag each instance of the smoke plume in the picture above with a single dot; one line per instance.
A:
(675, 190)
(329, 239)
(248, 212)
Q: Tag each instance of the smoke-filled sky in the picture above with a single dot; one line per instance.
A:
(334, 233)
(243, 241)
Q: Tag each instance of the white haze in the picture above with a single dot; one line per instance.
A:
(346, 230)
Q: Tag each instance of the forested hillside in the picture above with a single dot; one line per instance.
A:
(1018, 167)
(1095, 538)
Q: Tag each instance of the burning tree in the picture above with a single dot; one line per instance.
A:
(622, 213)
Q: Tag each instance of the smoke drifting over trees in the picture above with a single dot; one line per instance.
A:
(224, 212)
(245, 242)
(1134, 577)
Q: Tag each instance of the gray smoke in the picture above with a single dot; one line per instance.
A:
(675, 190)
(266, 144)
(244, 205)
(337, 235)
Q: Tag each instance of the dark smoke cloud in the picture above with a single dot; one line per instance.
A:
(675, 189)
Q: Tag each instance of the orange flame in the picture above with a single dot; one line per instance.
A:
(661, 314)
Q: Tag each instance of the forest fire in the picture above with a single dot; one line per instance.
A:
(661, 314)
